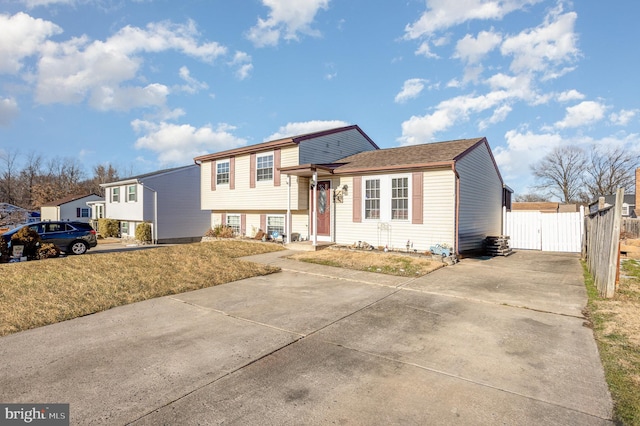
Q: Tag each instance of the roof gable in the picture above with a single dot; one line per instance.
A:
(279, 143)
(136, 178)
(67, 199)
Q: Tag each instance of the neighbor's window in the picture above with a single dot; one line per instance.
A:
(222, 172)
(372, 199)
(264, 167)
(233, 222)
(83, 212)
(115, 195)
(132, 193)
(625, 209)
(400, 198)
(275, 224)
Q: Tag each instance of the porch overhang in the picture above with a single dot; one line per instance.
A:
(308, 170)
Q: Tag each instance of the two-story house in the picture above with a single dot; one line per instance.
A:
(338, 186)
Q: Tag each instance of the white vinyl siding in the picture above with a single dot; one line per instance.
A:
(480, 212)
(438, 210)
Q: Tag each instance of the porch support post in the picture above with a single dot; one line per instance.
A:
(287, 224)
(314, 195)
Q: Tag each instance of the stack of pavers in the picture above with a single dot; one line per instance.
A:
(497, 245)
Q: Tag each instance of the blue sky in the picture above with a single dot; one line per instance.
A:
(150, 84)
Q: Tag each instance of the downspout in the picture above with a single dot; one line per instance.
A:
(315, 216)
(288, 221)
(457, 211)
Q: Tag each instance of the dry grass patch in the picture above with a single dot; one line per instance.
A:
(616, 326)
(37, 293)
(385, 263)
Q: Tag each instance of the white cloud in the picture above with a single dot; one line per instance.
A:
(546, 48)
(243, 61)
(193, 85)
(8, 111)
(585, 113)
(287, 19)
(180, 143)
(30, 4)
(499, 114)
(22, 36)
(570, 95)
(472, 50)
(410, 89)
(304, 127)
(71, 71)
(443, 14)
(623, 117)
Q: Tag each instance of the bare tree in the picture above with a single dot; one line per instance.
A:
(531, 197)
(8, 176)
(560, 173)
(101, 174)
(608, 170)
(30, 175)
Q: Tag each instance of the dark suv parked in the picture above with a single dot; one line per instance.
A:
(70, 237)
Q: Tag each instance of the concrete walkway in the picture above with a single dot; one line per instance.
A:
(497, 341)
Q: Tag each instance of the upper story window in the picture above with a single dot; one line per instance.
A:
(372, 199)
(222, 172)
(115, 195)
(264, 167)
(625, 209)
(400, 198)
(132, 193)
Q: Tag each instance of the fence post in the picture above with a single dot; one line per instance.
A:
(614, 247)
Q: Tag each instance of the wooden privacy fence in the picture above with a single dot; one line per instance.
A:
(601, 247)
(631, 227)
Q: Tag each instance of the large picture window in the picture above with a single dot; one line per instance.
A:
(400, 198)
(222, 172)
(264, 167)
(372, 199)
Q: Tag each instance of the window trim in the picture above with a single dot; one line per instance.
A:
(115, 194)
(260, 156)
(386, 200)
(219, 175)
(134, 193)
(276, 216)
(394, 208)
(367, 200)
(239, 218)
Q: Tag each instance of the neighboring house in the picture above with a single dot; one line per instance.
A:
(447, 193)
(167, 199)
(544, 207)
(12, 216)
(73, 207)
(628, 204)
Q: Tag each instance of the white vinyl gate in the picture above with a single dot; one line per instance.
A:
(544, 231)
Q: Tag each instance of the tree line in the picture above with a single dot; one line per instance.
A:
(30, 181)
(573, 174)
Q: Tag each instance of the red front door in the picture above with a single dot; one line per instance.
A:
(323, 208)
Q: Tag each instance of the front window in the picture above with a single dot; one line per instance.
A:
(115, 195)
(275, 224)
(264, 167)
(83, 212)
(124, 228)
(131, 193)
(99, 211)
(222, 172)
(400, 198)
(233, 222)
(372, 199)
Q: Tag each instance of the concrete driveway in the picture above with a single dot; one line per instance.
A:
(497, 341)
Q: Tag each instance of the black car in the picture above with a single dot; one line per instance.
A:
(70, 237)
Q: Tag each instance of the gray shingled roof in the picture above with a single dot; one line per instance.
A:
(414, 155)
